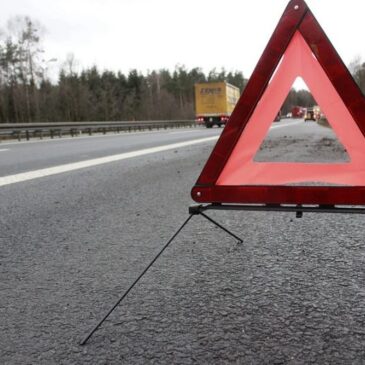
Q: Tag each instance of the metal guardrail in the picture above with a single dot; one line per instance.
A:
(29, 130)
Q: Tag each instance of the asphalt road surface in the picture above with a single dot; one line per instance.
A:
(21, 157)
(71, 242)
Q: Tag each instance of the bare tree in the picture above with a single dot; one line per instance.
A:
(26, 34)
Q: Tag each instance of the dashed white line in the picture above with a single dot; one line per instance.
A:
(193, 131)
(13, 179)
(286, 125)
(4, 149)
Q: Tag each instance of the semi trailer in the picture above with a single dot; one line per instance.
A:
(214, 102)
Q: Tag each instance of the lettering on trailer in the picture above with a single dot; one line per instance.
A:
(211, 91)
(298, 47)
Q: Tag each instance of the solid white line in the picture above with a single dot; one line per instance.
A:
(12, 179)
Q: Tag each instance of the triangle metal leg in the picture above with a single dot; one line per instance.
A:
(240, 241)
(86, 339)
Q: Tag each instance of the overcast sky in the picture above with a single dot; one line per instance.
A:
(154, 34)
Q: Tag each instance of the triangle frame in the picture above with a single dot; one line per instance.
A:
(297, 17)
(241, 167)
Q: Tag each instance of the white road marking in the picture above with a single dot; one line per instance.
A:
(4, 149)
(187, 131)
(286, 125)
(25, 176)
(13, 179)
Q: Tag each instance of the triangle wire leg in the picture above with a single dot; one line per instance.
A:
(221, 227)
(135, 282)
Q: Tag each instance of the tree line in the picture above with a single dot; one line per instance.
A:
(28, 95)
(301, 98)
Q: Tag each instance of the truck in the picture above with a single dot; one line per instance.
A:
(313, 114)
(214, 102)
(298, 112)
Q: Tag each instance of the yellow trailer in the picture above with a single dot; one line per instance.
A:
(214, 102)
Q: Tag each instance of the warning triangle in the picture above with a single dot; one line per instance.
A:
(298, 47)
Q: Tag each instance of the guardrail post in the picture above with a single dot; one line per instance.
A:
(51, 132)
(27, 135)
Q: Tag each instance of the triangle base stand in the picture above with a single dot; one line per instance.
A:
(297, 208)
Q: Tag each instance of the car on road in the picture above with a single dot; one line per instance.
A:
(310, 115)
(298, 112)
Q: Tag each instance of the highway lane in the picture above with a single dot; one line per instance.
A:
(71, 243)
(30, 156)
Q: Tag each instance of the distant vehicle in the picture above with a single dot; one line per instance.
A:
(317, 112)
(278, 117)
(214, 102)
(313, 114)
(298, 112)
(309, 115)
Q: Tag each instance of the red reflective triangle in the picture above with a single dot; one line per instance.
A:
(230, 174)
(241, 168)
